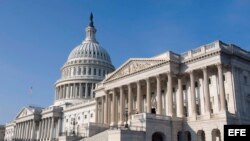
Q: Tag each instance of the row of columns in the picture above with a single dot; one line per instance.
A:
(25, 130)
(108, 109)
(47, 129)
(79, 71)
(76, 90)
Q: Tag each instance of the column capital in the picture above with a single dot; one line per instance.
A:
(138, 82)
(191, 71)
(158, 76)
(169, 73)
(219, 64)
(204, 68)
(147, 79)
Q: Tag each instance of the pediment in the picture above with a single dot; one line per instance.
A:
(24, 112)
(133, 66)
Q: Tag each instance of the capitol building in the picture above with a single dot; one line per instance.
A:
(168, 97)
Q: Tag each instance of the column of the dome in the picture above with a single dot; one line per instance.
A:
(64, 91)
(68, 90)
(74, 90)
(80, 90)
(86, 90)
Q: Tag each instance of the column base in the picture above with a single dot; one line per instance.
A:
(113, 124)
(120, 123)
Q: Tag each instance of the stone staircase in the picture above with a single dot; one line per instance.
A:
(102, 136)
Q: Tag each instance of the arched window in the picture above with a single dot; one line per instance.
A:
(179, 136)
(157, 136)
(216, 136)
(187, 136)
(200, 135)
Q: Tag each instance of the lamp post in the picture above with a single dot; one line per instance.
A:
(126, 117)
(73, 122)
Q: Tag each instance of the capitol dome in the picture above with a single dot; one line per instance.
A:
(87, 64)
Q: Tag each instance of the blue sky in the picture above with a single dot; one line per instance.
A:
(36, 37)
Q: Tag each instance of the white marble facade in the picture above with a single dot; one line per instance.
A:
(177, 97)
(198, 91)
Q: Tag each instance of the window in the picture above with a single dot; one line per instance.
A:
(91, 115)
(209, 81)
(89, 72)
(183, 87)
(94, 71)
(245, 79)
(84, 71)
(103, 73)
(196, 84)
(100, 72)
(85, 116)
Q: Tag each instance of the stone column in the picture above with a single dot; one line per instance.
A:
(148, 96)
(103, 112)
(92, 90)
(42, 129)
(39, 131)
(29, 129)
(68, 90)
(64, 91)
(15, 132)
(86, 90)
(33, 130)
(45, 128)
(158, 95)
(97, 110)
(121, 106)
(58, 127)
(58, 92)
(170, 95)
(138, 101)
(61, 92)
(25, 130)
(74, 90)
(18, 131)
(80, 90)
(193, 96)
(221, 88)
(113, 109)
(179, 100)
(206, 91)
(106, 109)
(130, 107)
(52, 128)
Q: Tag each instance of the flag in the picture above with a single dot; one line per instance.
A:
(31, 89)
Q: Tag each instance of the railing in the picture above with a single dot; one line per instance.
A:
(146, 116)
(84, 102)
(133, 128)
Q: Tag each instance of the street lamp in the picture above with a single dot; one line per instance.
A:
(126, 117)
(73, 122)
